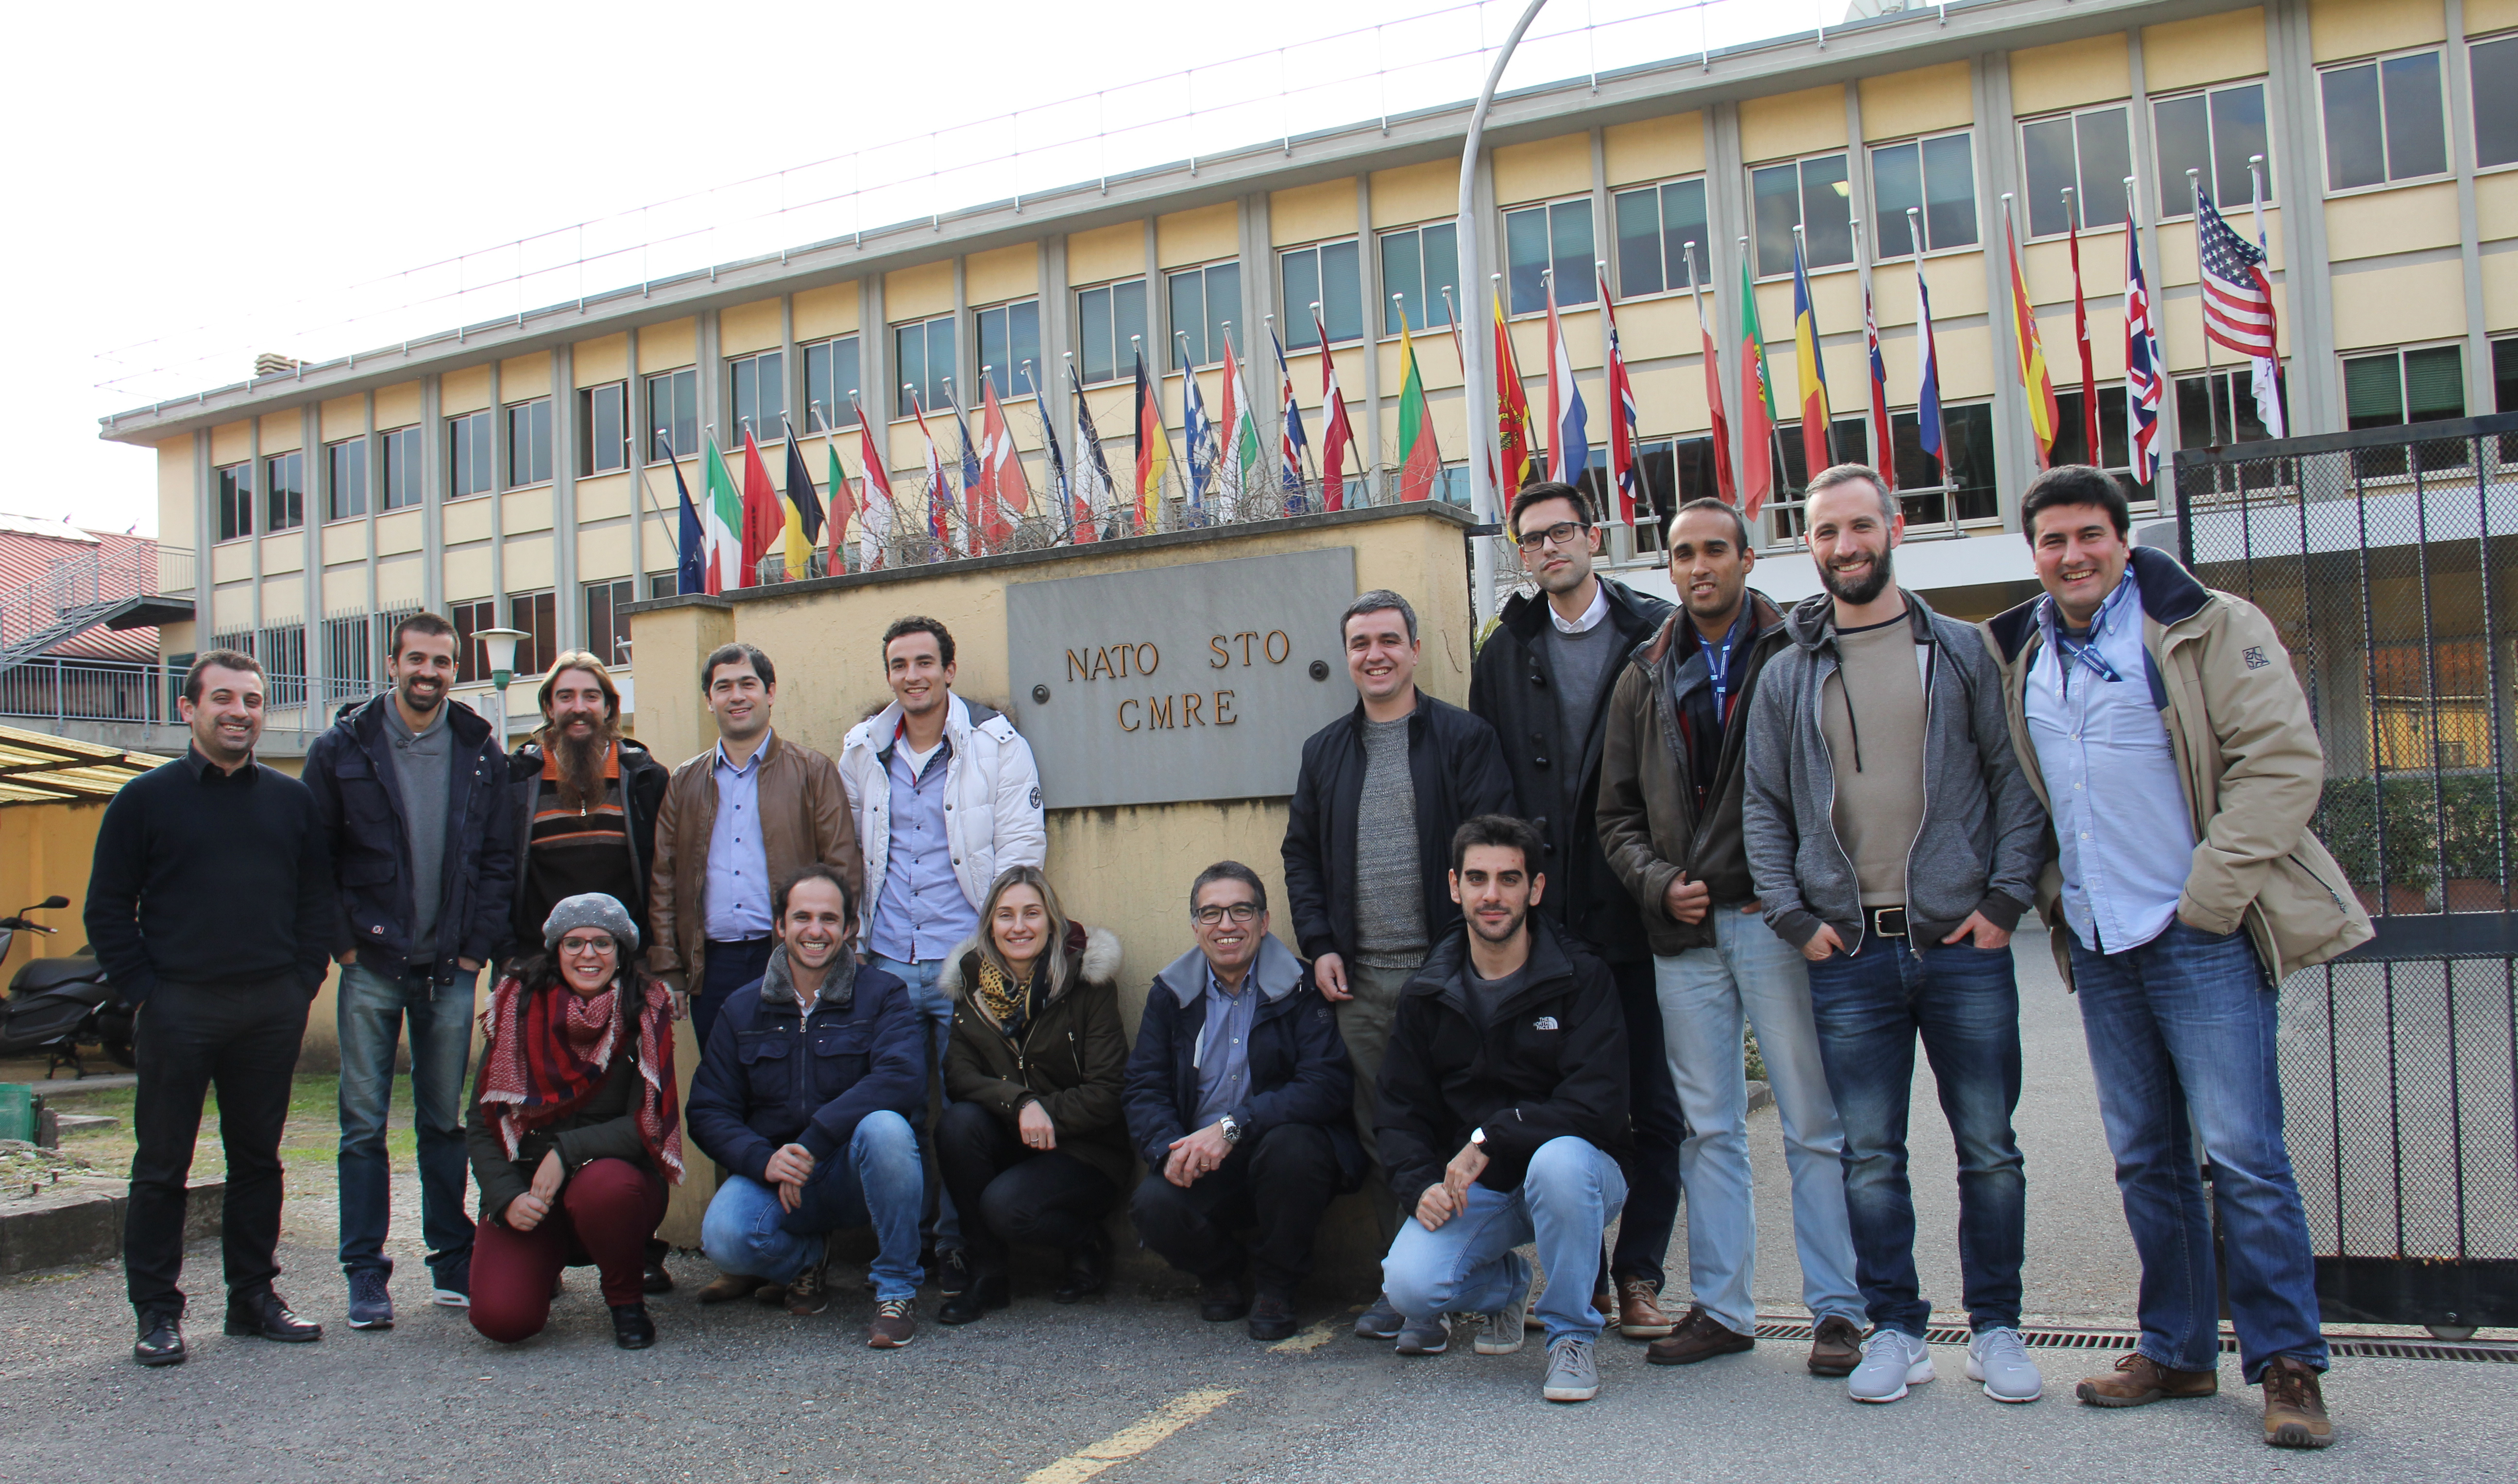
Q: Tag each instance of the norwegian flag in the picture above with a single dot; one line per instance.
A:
(2238, 297)
(2142, 365)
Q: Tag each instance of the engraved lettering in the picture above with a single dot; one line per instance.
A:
(1078, 667)
(1158, 711)
(1125, 725)
(1245, 636)
(1215, 647)
(1224, 716)
(1280, 645)
(1149, 658)
(1124, 654)
(1101, 664)
(1191, 703)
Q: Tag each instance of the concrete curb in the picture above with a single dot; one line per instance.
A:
(79, 1219)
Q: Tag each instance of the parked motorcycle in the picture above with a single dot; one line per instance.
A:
(59, 1005)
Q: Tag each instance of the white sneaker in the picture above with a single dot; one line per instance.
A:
(1891, 1361)
(1999, 1359)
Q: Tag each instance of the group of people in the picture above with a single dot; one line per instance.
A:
(1525, 940)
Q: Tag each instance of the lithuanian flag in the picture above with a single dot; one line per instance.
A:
(1421, 463)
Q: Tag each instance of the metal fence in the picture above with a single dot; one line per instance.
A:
(2388, 559)
(87, 690)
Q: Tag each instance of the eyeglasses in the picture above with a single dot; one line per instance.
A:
(1562, 533)
(575, 945)
(1239, 912)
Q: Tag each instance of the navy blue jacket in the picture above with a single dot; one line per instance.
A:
(358, 795)
(770, 1077)
(1299, 1071)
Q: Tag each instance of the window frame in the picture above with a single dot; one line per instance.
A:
(1799, 164)
(2163, 213)
(590, 448)
(535, 412)
(2502, 43)
(1591, 273)
(273, 521)
(402, 448)
(2377, 64)
(356, 452)
(481, 427)
(1203, 353)
(770, 362)
(467, 618)
(676, 382)
(828, 348)
(928, 328)
(1120, 371)
(609, 639)
(526, 610)
(2374, 464)
(1297, 322)
(232, 496)
(1425, 294)
(1659, 191)
(1002, 373)
(2080, 168)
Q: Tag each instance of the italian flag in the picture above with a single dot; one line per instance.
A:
(1421, 463)
(1241, 436)
(722, 525)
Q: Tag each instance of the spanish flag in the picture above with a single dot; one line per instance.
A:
(1154, 449)
(1812, 371)
(2033, 375)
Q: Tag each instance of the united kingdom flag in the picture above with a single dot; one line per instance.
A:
(2142, 365)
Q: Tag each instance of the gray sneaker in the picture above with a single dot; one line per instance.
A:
(1891, 1361)
(1999, 1359)
(370, 1303)
(1572, 1375)
(1382, 1320)
(1503, 1335)
(1425, 1337)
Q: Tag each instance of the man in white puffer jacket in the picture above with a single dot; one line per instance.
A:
(946, 796)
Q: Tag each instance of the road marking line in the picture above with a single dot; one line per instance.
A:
(1309, 1340)
(1128, 1442)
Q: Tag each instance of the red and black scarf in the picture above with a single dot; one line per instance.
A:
(547, 1051)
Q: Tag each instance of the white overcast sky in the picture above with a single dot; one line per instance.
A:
(186, 175)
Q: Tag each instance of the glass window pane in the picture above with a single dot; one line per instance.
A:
(1777, 205)
(1403, 273)
(2504, 375)
(2046, 149)
(817, 388)
(1023, 344)
(2435, 383)
(845, 381)
(1949, 192)
(2374, 393)
(1967, 436)
(2107, 159)
(2416, 126)
(1896, 183)
(2239, 132)
(911, 361)
(1639, 244)
(1827, 224)
(1302, 274)
(1525, 250)
(1682, 221)
(1093, 334)
(2495, 101)
(2183, 128)
(1127, 319)
(1578, 273)
(1187, 293)
(2354, 147)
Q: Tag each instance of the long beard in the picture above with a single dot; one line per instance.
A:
(580, 765)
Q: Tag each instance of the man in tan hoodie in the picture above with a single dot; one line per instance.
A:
(2162, 723)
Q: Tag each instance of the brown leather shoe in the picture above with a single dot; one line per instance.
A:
(1836, 1346)
(728, 1287)
(1698, 1336)
(2295, 1405)
(1639, 1313)
(895, 1324)
(2138, 1379)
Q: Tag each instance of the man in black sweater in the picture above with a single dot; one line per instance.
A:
(210, 907)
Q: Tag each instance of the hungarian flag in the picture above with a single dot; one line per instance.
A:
(1093, 484)
(1810, 369)
(1003, 484)
(1757, 405)
(1420, 462)
(2081, 338)
(1291, 444)
(803, 510)
(764, 517)
(1884, 449)
(1569, 431)
(1623, 475)
(1513, 437)
(691, 568)
(842, 506)
(1154, 449)
(1928, 376)
(1725, 486)
(939, 495)
(1336, 433)
(1240, 422)
(1197, 433)
(722, 526)
(2031, 353)
(874, 531)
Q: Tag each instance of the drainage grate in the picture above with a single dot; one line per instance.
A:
(2367, 1347)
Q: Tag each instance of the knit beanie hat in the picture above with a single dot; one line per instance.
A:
(590, 909)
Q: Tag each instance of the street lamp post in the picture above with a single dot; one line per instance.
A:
(1476, 372)
(498, 647)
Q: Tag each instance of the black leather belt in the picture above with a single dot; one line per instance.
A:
(1889, 921)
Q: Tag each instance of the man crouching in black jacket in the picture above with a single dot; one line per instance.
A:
(1506, 1048)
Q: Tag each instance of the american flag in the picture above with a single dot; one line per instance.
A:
(2237, 298)
(2141, 364)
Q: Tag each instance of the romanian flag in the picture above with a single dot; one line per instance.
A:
(1154, 449)
(1811, 371)
(874, 531)
(721, 518)
(763, 516)
(1421, 463)
(802, 517)
(1757, 404)
(2032, 353)
(1512, 414)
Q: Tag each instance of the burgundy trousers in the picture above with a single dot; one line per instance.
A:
(604, 1216)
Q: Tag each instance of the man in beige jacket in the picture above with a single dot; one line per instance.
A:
(2162, 725)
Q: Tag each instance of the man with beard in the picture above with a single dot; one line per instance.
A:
(410, 790)
(1895, 842)
(1542, 680)
(585, 800)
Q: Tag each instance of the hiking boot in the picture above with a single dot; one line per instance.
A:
(1698, 1336)
(983, 1294)
(725, 1288)
(370, 1303)
(1892, 1360)
(2139, 1380)
(1572, 1375)
(1998, 1358)
(1836, 1346)
(895, 1324)
(632, 1329)
(1639, 1311)
(1431, 1336)
(1502, 1334)
(1272, 1317)
(1382, 1320)
(809, 1292)
(1221, 1301)
(2295, 1405)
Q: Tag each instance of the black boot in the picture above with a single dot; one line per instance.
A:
(262, 1312)
(1088, 1269)
(632, 1329)
(983, 1294)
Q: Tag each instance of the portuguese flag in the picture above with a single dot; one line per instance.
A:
(1421, 463)
(1757, 405)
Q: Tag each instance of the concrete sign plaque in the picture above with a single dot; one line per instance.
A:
(1174, 683)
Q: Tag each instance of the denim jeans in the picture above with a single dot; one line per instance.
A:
(1869, 1007)
(1467, 1265)
(1707, 994)
(940, 1224)
(875, 1183)
(374, 1011)
(2182, 1040)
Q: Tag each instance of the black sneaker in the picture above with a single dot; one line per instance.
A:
(371, 1301)
(161, 1337)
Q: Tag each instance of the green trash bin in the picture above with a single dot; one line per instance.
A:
(17, 1111)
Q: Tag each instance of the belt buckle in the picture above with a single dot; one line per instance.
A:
(1879, 921)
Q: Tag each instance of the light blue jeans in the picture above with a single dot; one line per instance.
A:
(944, 1224)
(877, 1184)
(373, 1014)
(1467, 1265)
(1706, 993)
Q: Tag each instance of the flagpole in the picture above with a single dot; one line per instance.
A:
(648, 493)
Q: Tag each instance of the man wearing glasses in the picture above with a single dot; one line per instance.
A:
(1542, 681)
(1238, 1098)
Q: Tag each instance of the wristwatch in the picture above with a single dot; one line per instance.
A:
(1231, 1127)
(1478, 1137)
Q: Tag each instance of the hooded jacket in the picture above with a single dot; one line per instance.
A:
(2248, 761)
(1513, 686)
(1552, 1064)
(772, 1074)
(1070, 1057)
(1299, 1071)
(358, 797)
(1983, 836)
(1650, 828)
(992, 805)
(643, 781)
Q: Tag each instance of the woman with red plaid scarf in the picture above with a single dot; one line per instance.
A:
(575, 1126)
